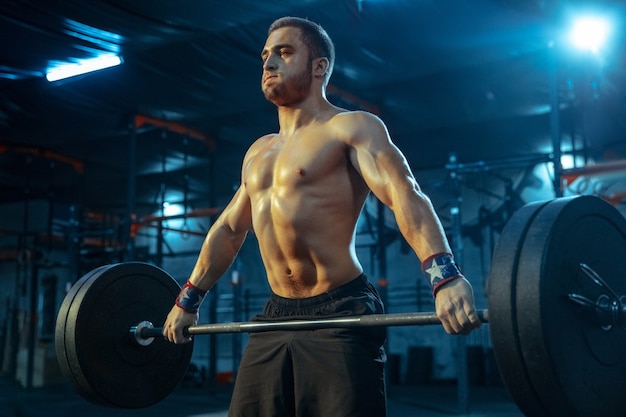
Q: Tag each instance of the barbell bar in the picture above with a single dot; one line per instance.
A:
(556, 314)
(145, 332)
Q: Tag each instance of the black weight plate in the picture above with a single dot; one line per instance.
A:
(108, 366)
(61, 323)
(576, 367)
(501, 287)
(75, 373)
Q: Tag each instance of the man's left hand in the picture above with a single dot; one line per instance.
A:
(455, 307)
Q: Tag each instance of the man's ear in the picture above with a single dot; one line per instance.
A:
(320, 66)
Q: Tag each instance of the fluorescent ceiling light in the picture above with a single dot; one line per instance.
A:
(83, 67)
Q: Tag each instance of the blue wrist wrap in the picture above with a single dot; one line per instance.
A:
(440, 269)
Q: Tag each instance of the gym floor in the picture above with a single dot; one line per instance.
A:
(187, 401)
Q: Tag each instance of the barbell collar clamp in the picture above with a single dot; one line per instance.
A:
(143, 333)
(596, 278)
(609, 312)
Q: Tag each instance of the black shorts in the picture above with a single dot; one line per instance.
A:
(308, 373)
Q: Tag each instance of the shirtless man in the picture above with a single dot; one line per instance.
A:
(301, 193)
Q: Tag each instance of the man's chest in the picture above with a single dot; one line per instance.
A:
(289, 165)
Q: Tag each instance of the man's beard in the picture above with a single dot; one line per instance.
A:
(292, 90)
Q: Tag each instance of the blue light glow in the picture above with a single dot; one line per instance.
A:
(170, 209)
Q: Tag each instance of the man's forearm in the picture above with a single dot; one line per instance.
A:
(217, 254)
(420, 226)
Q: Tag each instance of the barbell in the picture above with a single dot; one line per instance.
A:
(557, 317)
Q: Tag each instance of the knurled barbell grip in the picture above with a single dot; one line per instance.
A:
(371, 320)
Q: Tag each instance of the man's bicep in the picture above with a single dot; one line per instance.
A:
(237, 215)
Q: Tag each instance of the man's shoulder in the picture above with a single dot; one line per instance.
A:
(358, 116)
(263, 140)
(356, 123)
(260, 143)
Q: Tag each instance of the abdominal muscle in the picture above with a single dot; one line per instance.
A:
(306, 239)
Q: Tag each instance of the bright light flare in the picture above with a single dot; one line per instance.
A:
(590, 33)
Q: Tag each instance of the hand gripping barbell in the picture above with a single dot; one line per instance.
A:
(557, 316)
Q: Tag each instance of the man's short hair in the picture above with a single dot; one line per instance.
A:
(313, 36)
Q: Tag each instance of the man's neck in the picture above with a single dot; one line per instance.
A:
(292, 118)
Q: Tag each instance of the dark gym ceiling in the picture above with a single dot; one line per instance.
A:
(469, 77)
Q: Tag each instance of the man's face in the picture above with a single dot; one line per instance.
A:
(286, 67)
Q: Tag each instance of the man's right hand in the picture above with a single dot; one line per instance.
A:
(176, 321)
